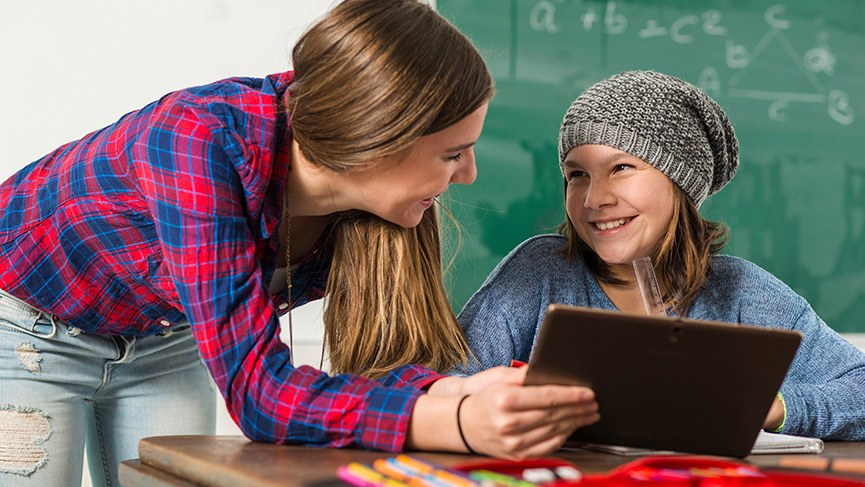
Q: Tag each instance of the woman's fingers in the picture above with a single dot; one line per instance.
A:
(560, 418)
(516, 421)
(494, 376)
(460, 386)
(548, 397)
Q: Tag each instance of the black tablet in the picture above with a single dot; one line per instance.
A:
(665, 383)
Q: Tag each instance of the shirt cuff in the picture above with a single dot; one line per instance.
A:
(784, 418)
(416, 376)
(385, 422)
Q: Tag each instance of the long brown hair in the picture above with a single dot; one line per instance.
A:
(381, 301)
(682, 259)
(371, 78)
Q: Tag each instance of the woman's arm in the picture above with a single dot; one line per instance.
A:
(198, 181)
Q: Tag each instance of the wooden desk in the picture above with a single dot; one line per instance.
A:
(183, 461)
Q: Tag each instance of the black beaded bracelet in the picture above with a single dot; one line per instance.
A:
(460, 426)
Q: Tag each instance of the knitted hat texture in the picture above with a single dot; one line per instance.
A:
(664, 121)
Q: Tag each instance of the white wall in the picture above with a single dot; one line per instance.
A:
(75, 66)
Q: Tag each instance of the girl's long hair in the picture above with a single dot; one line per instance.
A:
(683, 257)
(371, 78)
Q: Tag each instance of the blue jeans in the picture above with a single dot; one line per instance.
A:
(62, 391)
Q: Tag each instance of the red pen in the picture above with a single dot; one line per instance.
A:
(517, 363)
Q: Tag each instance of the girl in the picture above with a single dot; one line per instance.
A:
(640, 152)
(183, 230)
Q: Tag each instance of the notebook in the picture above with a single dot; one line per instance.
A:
(665, 383)
(765, 444)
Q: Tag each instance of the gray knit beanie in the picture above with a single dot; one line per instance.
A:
(664, 121)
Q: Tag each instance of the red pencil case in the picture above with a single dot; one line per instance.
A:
(669, 470)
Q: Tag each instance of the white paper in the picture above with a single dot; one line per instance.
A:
(774, 443)
(765, 444)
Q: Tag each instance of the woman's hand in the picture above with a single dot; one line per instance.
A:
(515, 422)
(501, 418)
(460, 386)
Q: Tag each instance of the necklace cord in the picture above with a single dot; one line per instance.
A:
(287, 219)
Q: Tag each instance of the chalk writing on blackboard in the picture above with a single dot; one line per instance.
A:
(612, 18)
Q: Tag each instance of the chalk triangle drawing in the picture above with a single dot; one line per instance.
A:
(774, 80)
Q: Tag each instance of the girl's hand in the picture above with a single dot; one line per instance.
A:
(776, 415)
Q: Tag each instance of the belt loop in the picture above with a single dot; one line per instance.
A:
(37, 314)
(53, 327)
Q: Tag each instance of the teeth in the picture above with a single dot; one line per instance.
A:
(612, 224)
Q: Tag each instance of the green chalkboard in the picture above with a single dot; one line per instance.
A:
(791, 77)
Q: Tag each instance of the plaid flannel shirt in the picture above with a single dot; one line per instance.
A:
(167, 216)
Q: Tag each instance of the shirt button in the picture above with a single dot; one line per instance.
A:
(283, 305)
(164, 323)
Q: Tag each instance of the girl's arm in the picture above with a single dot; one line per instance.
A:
(824, 391)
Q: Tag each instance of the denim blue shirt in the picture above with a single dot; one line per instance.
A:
(824, 390)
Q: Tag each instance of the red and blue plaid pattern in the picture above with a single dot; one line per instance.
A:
(167, 215)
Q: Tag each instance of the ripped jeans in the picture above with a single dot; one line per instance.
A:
(62, 391)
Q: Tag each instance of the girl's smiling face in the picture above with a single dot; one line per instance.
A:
(618, 204)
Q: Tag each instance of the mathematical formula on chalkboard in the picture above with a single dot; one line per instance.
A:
(814, 63)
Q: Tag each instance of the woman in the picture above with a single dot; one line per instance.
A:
(640, 152)
(186, 227)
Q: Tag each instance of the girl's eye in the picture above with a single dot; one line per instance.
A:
(575, 174)
(454, 157)
(623, 167)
